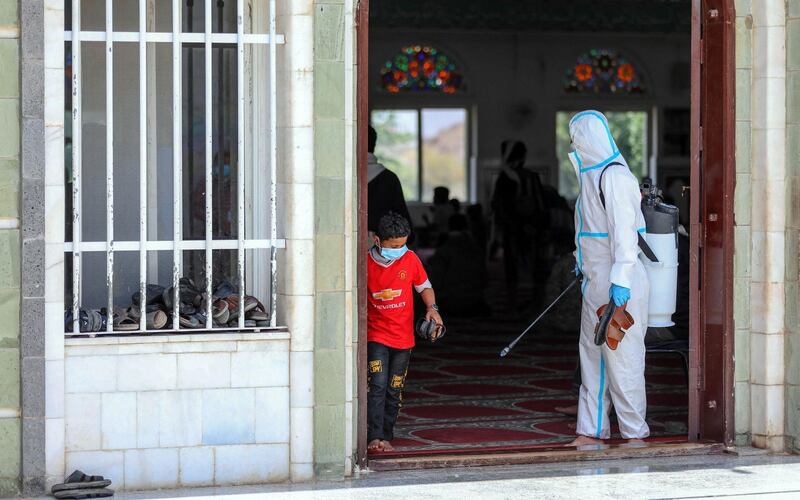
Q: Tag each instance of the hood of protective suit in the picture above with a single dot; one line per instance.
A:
(591, 138)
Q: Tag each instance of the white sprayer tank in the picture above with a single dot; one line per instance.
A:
(662, 238)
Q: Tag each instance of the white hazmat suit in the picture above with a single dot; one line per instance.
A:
(607, 252)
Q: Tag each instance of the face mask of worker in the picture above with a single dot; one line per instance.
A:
(394, 253)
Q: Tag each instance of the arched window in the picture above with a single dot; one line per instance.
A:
(420, 68)
(602, 71)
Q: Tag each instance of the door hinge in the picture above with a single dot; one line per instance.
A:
(700, 380)
(701, 139)
(702, 50)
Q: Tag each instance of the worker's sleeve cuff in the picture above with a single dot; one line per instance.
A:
(423, 286)
(620, 276)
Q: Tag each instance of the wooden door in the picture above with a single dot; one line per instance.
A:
(711, 403)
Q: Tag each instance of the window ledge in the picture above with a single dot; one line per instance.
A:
(161, 337)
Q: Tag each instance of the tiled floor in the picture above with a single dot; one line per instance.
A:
(757, 476)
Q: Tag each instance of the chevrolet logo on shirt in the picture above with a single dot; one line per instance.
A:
(387, 294)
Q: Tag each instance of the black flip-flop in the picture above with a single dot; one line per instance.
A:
(79, 480)
(84, 493)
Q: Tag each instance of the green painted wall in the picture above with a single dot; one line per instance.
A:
(742, 205)
(10, 454)
(792, 249)
(329, 208)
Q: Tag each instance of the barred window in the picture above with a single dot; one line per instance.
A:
(170, 154)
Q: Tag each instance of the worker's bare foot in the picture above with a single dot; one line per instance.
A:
(387, 446)
(584, 441)
(375, 445)
(567, 410)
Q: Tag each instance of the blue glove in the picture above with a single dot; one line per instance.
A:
(577, 270)
(619, 294)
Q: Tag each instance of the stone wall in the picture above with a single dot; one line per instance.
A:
(10, 293)
(182, 410)
(335, 241)
(742, 201)
(766, 233)
(792, 225)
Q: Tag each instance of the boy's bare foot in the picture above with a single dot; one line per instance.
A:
(387, 446)
(375, 445)
(567, 410)
(584, 441)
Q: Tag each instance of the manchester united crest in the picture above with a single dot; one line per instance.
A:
(402, 275)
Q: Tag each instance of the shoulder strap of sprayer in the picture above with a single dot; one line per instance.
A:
(643, 246)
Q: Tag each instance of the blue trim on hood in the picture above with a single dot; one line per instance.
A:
(604, 121)
(602, 163)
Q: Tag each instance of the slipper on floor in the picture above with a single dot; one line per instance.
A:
(189, 295)
(156, 319)
(123, 322)
(91, 320)
(84, 493)
(250, 303)
(189, 321)
(153, 292)
(220, 312)
(258, 312)
(79, 480)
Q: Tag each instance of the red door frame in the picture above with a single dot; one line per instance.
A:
(362, 118)
(711, 370)
(713, 176)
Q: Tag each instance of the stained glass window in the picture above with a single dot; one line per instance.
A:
(602, 71)
(420, 68)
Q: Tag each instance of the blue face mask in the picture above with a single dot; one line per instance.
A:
(394, 253)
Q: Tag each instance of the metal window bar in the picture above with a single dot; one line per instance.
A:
(77, 221)
(240, 261)
(177, 38)
(177, 161)
(142, 165)
(110, 165)
(209, 150)
(273, 161)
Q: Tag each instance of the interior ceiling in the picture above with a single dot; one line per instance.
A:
(639, 16)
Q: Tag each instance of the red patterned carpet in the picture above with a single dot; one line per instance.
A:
(460, 396)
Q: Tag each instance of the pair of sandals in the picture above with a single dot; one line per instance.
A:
(224, 306)
(94, 320)
(91, 320)
(255, 314)
(79, 485)
(613, 322)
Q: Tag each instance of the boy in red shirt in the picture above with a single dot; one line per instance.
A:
(392, 271)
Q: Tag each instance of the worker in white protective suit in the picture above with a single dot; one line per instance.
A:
(607, 254)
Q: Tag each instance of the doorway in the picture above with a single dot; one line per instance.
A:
(710, 142)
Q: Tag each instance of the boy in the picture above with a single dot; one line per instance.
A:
(392, 270)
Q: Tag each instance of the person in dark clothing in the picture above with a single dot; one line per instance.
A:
(477, 227)
(384, 191)
(518, 209)
(458, 270)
